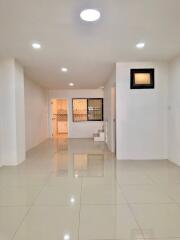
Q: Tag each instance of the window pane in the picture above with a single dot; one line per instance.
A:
(95, 109)
(79, 110)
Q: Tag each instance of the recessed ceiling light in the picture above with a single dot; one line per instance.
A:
(66, 237)
(71, 84)
(72, 200)
(140, 45)
(36, 45)
(90, 15)
(76, 175)
(64, 69)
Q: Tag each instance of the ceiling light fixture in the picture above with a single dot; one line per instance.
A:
(64, 69)
(90, 15)
(76, 175)
(72, 200)
(140, 45)
(66, 237)
(71, 84)
(36, 45)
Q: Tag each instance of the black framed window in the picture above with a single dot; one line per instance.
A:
(87, 109)
(95, 109)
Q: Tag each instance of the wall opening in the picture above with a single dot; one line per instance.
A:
(59, 110)
(113, 109)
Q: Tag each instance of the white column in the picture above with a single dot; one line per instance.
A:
(12, 120)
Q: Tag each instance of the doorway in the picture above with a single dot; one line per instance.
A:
(59, 118)
(113, 119)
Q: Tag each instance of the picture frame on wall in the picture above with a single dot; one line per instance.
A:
(142, 78)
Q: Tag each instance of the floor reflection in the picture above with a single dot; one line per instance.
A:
(88, 195)
(79, 165)
(60, 164)
(88, 165)
(69, 160)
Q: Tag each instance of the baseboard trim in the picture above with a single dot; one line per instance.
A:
(143, 159)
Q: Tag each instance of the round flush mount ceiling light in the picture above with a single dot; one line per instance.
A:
(76, 175)
(64, 69)
(66, 236)
(36, 45)
(90, 15)
(140, 45)
(71, 84)
(72, 200)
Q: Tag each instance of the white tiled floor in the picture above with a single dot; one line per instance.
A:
(77, 190)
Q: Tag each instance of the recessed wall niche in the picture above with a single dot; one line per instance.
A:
(142, 78)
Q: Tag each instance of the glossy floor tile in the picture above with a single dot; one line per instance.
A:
(101, 194)
(133, 178)
(108, 222)
(74, 189)
(10, 219)
(22, 179)
(49, 222)
(15, 196)
(172, 190)
(158, 220)
(64, 194)
(145, 194)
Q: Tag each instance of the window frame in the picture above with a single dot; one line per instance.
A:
(102, 104)
(88, 120)
(73, 110)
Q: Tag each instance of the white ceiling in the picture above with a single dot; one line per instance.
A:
(87, 49)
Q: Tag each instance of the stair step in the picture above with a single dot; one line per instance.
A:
(95, 135)
(100, 130)
(99, 139)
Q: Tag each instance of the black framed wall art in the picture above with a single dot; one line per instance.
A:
(142, 78)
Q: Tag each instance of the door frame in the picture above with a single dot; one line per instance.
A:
(51, 115)
(113, 119)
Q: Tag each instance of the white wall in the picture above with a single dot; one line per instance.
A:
(19, 111)
(109, 110)
(174, 111)
(76, 129)
(12, 121)
(8, 147)
(141, 114)
(36, 114)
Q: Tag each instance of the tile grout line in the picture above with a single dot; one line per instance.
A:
(80, 200)
(21, 222)
(169, 203)
(173, 201)
(167, 193)
(129, 206)
(150, 177)
(31, 206)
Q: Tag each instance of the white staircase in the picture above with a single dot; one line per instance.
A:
(99, 136)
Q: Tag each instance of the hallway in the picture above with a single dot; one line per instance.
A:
(75, 189)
